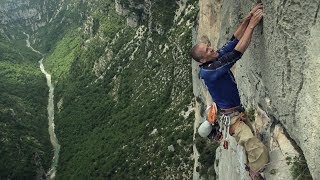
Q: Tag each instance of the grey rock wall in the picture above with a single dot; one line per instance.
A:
(27, 15)
(280, 70)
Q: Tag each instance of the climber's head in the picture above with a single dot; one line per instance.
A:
(203, 52)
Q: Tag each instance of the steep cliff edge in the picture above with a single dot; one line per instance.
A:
(277, 76)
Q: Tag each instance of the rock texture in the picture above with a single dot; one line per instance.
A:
(26, 14)
(279, 70)
(230, 164)
(19, 16)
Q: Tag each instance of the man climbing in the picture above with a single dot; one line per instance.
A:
(215, 71)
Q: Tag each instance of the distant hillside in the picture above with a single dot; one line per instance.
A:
(123, 88)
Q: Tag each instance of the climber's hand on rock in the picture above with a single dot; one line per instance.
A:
(255, 8)
(255, 19)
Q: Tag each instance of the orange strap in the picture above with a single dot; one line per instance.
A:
(212, 113)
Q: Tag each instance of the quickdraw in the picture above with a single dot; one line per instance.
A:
(225, 122)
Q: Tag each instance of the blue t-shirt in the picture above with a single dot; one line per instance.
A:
(218, 77)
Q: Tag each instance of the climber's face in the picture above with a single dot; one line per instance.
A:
(207, 53)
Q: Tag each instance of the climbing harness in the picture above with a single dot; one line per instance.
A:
(223, 122)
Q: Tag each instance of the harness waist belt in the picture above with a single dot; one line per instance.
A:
(229, 111)
(236, 115)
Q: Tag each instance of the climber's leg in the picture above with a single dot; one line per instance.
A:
(257, 152)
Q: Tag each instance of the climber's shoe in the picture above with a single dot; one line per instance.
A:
(255, 175)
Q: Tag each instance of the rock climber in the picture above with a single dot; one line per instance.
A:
(215, 71)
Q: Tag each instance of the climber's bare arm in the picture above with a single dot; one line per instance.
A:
(243, 26)
(247, 35)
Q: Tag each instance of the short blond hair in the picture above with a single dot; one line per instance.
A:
(195, 53)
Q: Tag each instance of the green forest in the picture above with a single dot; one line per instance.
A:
(23, 121)
(114, 86)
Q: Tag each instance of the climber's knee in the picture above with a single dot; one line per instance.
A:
(257, 154)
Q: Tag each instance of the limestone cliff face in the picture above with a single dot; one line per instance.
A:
(278, 75)
(27, 15)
